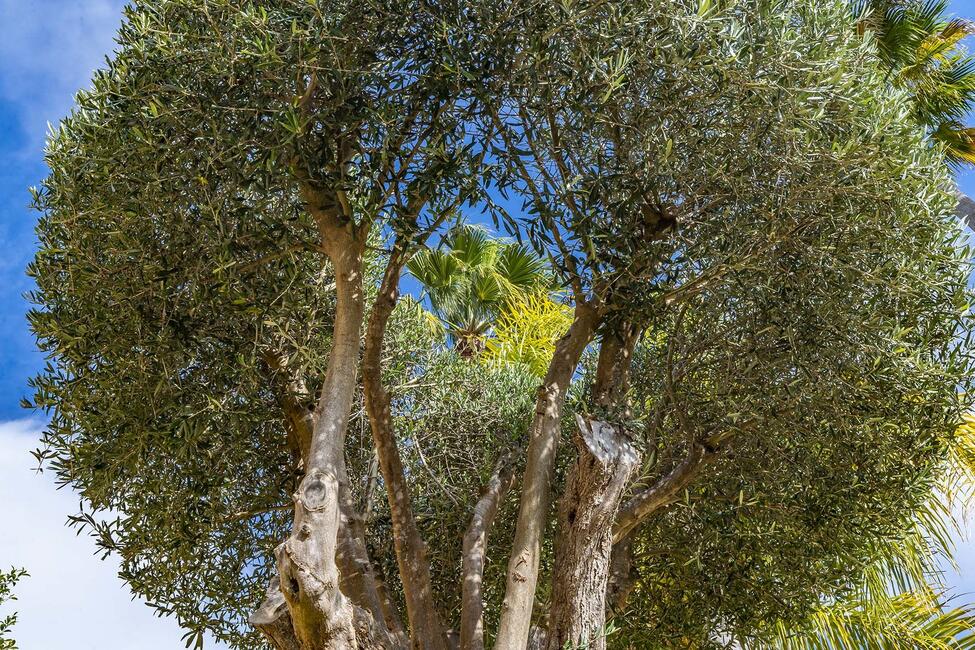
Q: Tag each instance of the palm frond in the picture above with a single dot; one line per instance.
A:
(472, 277)
(471, 245)
(485, 288)
(946, 93)
(910, 621)
(922, 49)
(957, 141)
(521, 267)
(434, 269)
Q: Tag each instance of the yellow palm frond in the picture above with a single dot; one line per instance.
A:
(526, 332)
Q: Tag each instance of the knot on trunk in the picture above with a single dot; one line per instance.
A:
(313, 493)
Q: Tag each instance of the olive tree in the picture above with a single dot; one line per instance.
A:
(758, 387)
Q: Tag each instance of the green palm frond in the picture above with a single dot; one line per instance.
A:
(486, 288)
(470, 278)
(521, 267)
(958, 142)
(435, 269)
(471, 245)
(945, 93)
(913, 621)
(922, 48)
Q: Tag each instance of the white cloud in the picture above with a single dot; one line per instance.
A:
(48, 50)
(72, 598)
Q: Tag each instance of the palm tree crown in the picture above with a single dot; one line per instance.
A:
(471, 277)
(923, 50)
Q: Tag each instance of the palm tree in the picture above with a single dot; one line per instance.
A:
(921, 47)
(471, 278)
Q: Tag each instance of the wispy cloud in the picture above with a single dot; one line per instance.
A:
(49, 49)
(72, 598)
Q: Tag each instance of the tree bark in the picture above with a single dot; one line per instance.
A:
(321, 615)
(522, 578)
(594, 487)
(622, 576)
(426, 626)
(475, 548)
(606, 459)
(357, 579)
(274, 621)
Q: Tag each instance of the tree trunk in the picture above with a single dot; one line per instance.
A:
(357, 579)
(516, 613)
(308, 584)
(606, 459)
(321, 615)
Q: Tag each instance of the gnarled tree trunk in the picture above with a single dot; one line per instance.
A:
(606, 459)
(308, 587)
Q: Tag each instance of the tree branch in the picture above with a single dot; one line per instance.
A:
(475, 548)
(661, 493)
(426, 623)
(307, 573)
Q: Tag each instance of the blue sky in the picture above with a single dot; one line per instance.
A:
(48, 49)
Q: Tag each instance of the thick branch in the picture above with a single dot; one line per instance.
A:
(606, 459)
(666, 489)
(622, 576)
(321, 615)
(298, 419)
(475, 547)
(426, 624)
(523, 564)
(612, 379)
(357, 576)
(663, 492)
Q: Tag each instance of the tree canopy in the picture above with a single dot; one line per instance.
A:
(745, 234)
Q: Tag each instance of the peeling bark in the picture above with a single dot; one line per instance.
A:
(475, 548)
(522, 578)
(597, 479)
(606, 459)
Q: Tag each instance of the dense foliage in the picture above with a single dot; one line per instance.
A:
(735, 183)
